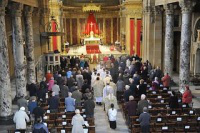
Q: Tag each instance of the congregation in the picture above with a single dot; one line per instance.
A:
(116, 83)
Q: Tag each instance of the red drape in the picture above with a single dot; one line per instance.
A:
(132, 36)
(91, 25)
(114, 29)
(68, 30)
(118, 29)
(54, 39)
(108, 30)
(139, 23)
(74, 31)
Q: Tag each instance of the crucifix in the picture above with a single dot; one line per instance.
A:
(91, 25)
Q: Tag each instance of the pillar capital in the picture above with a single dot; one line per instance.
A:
(169, 9)
(187, 5)
(3, 4)
(148, 9)
(16, 9)
(28, 10)
(157, 10)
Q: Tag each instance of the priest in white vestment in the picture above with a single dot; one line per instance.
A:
(98, 86)
(107, 90)
(108, 100)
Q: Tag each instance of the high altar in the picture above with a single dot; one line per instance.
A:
(92, 39)
(92, 31)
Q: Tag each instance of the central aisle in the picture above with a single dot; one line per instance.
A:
(102, 124)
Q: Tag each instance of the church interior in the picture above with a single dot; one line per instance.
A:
(145, 44)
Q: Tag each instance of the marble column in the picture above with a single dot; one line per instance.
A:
(18, 49)
(31, 78)
(184, 75)
(169, 39)
(5, 87)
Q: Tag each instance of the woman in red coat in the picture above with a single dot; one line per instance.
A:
(187, 96)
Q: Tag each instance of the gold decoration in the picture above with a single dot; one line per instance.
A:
(91, 7)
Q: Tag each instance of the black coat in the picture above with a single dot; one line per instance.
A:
(53, 102)
(133, 89)
(142, 89)
(173, 102)
(32, 88)
(127, 93)
(89, 106)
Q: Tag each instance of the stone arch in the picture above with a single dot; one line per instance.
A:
(197, 62)
(196, 27)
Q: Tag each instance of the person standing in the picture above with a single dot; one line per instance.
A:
(53, 103)
(112, 116)
(187, 96)
(40, 127)
(107, 89)
(142, 103)
(32, 104)
(98, 90)
(20, 118)
(166, 80)
(51, 83)
(56, 88)
(77, 95)
(77, 122)
(22, 102)
(89, 106)
(127, 93)
(142, 88)
(131, 106)
(144, 120)
(48, 76)
(38, 111)
(173, 101)
(70, 103)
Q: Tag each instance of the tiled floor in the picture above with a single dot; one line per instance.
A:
(102, 124)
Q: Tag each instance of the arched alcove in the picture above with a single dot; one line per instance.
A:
(196, 28)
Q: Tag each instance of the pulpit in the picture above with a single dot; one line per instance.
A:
(53, 61)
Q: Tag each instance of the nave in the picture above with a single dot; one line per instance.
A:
(101, 124)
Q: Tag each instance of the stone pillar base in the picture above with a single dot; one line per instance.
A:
(8, 120)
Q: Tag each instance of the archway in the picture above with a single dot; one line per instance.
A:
(197, 62)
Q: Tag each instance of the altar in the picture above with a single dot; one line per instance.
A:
(92, 41)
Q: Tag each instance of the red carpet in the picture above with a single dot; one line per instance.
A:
(93, 49)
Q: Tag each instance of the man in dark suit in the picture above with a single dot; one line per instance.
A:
(131, 106)
(89, 106)
(127, 93)
(142, 88)
(133, 87)
(142, 103)
(53, 103)
(144, 120)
